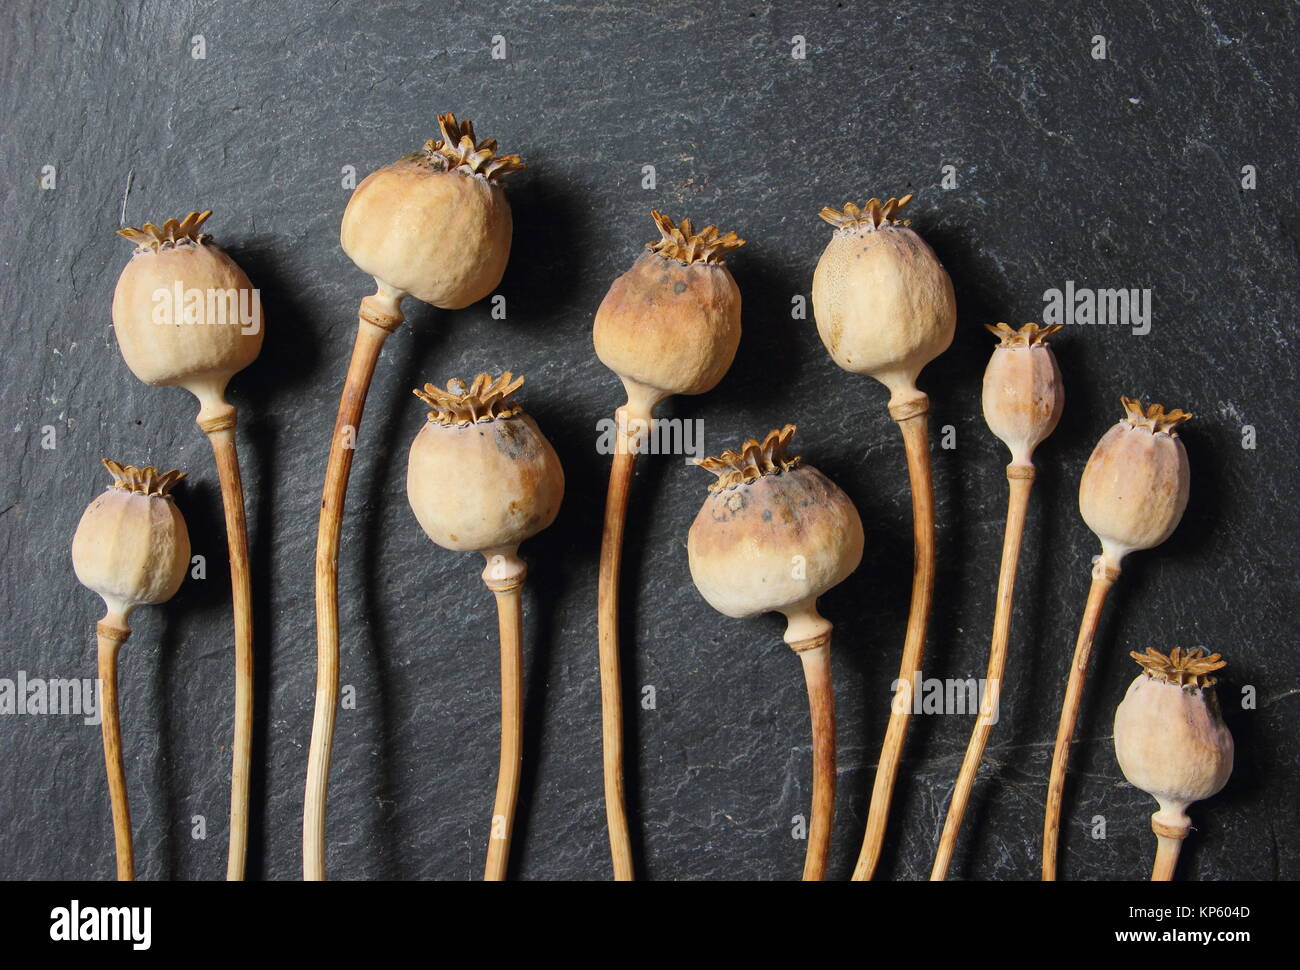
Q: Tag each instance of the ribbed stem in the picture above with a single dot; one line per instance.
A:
(380, 316)
(1103, 578)
(913, 424)
(510, 626)
(1020, 481)
(221, 433)
(110, 639)
(1166, 858)
(821, 706)
(611, 683)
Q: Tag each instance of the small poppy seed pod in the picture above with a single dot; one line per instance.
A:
(436, 223)
(1170, 739)
(671, 324)
(884, 304)
(1136, 483)
(1171, 742)
(1023, 393)
(131, 545)
(481, 476)
(773, 535)
(184, 313)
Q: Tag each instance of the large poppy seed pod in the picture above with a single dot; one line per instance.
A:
(1023, 392)
(773, 535)
(1136, 483)
(883, 303)
(481, 476)
(1171, 742)
(436, 223)
(184, 313)
(671, 324)
(131, 545)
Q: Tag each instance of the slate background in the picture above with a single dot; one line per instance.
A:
(1117, 173)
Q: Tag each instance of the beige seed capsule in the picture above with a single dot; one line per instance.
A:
(1171, 742)
(435, 223)
(131, 545)
(1137, 482)
(1023, 393)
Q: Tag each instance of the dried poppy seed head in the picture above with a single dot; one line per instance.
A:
(436, 223)
(481, 476)
(773, 534)
(1023, 395)
(1136, 484)
(883, 303)
(671, 324)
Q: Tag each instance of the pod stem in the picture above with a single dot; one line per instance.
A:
(1169, 840)
(380, 315)
(110, 639)
(220, 429)
(611, 686)
(1103, 578)
(1020, 481)
(510, 625)
(913, 423)
(815, 653)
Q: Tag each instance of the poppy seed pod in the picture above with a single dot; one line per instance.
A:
(436, 223)
(131, 545)
(773, 535)
(671, 324)
(1136, 483)
(1023, 393)
(481, 476)
(1170, 739)
(184, 313)
(1171, 742)
(883, 303)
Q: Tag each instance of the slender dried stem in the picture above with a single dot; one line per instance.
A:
(510, 623)
(1103, 578)
(1166, 858)
(111, 639)
(380, 316)
(913, 424)
(1020, 481)
(221, 433)
(821, 705)
(611, 686)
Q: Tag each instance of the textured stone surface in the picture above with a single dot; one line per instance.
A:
(1123, 172)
